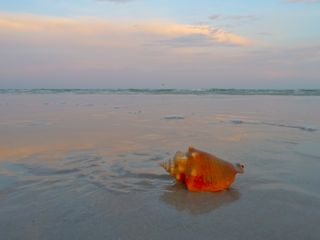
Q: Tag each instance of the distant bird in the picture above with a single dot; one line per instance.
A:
(201, 171)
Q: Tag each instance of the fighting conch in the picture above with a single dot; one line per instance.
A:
(201, 171)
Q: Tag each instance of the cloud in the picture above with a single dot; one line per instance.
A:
(115, 1)
(115, 33)
(303, 1)
(290, 55)
(232, 21)
(248, 17)
(40, 51)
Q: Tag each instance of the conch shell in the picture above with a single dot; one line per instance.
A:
(201, 171)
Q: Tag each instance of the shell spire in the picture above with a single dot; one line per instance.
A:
(201, 171)
(167, 165)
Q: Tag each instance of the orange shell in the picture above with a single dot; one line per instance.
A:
(201, 171)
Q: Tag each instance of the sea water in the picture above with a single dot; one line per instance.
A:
(84, 164)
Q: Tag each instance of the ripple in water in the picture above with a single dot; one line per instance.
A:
(303, 128)
(129, 172)
(120, 174)
(173, 117)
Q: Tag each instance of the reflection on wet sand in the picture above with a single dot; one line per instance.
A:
(197, 203)
(2, 195)
(47, 151)
(94, 172)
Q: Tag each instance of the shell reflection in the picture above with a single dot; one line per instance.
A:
(196, 203)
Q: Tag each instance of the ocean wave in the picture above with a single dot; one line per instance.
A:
(303, 128)
(173, 117)
(168, 91)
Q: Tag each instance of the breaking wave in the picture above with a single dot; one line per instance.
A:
(202, 91)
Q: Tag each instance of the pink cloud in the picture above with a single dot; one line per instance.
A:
(109, 32)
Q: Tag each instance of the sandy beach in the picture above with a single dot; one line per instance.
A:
(86, 166)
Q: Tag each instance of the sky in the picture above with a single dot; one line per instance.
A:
(160, 44)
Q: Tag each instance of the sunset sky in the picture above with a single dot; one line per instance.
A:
(156, 44)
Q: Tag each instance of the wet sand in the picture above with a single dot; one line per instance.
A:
(86, 166)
